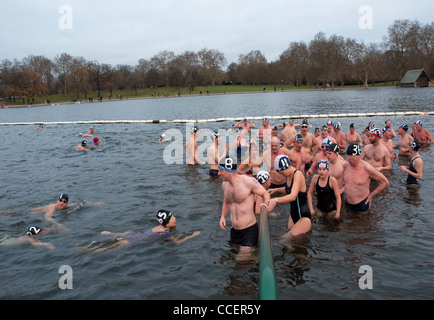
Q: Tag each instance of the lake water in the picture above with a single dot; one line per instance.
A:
(128, 175)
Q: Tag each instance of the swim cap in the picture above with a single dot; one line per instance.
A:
(337, 125)
(334, 148)
(375, 132)
(163, 135)
(265, 120)
(281, 163)
(352, 125)
(228, 164)
(33, 230)
(83, 143)
(323, 164)
(316, 130)
(63, 196)
(329, 123)
(298, 137)
(404, 126)
(215, 135)
(354, 150)
(326, 142)
(415, 145)
(262, 176)
(194, 130)
(163, 216)
(372, 123)
(96, 140)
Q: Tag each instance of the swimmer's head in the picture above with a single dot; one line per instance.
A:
(84, 143)
(323, 164)
(262, 176)
(418, 122)
(194, 130)
(371, 123)
(31, 231)
(337, 125)
(375, 132)
(354, 150)
(326, 142)
(330, 123)
(163, 217)
(215, 135)
(414, 145)
(404, 126)
(63, 196)
(333, 147)
(95, 140)
(298, 137)
(228, 164)
(281, 163)
(265, 120)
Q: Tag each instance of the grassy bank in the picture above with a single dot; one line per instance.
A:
(170, 92)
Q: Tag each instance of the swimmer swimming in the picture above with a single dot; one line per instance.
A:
(30, 237)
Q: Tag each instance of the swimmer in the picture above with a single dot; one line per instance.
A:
(388, 124)
(61, 204)
(167, 222)
(278, 179)
(421, 134)
(376, 154)
(89, 133)
(264, 133)
(415, 168)
(387, 142)
(352, 136)
(297, 154)
(162, 136)
(239, 193)
(191, 148)
(288, 132)
(41, 127)
(264, 179)
(327, 192)
(300, 218)
(324, 135)
(251, 165)
(341, 139)
(336, 163)
(404, 140)
(30, 237)
(214, 156)
(82, 146)
(321, 155)
(357, 178)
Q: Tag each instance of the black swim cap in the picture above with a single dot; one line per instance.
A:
(33, 230)
(163, 216)
(63, 196)
(415, 145)
(228, 164)
(354, 150)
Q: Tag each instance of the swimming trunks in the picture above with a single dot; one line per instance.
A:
(362, 206)
(247, 237)
(147, 236)
(299, 207)
(410, 178)
(326, 197)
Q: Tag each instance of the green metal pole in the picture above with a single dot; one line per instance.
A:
(267, 273)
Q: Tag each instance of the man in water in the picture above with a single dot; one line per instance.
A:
(352, 136)
(191, 148)
(421, 134)
(61, 204)
(214, 156)
(239, 199)
(82, 146)
(278, 179)
(341, 139)
(357, 180)
(376, 153)
(404, 140)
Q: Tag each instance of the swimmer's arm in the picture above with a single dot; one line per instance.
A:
(225, 212)
(179, 241)
(310, 193)
(336, 189)
(379, 177)
(39, 243)
(418, 166)
(114, 234)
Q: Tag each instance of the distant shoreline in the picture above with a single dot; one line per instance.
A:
(193, 95)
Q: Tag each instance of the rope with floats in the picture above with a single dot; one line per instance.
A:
(292, 117)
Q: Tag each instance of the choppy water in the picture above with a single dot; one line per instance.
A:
(127, 173)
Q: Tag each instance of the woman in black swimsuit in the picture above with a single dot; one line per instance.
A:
(327, 192)
(300, 219)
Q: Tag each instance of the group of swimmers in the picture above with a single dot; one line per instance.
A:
(291, 157)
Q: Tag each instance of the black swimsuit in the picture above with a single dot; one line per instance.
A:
(299, 207)
(410, 178)
(326, 197)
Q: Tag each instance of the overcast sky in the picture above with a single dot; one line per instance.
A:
(122, 32)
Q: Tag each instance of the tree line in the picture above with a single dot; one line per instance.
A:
(324, 61)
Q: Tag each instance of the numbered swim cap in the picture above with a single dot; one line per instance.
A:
(33, 230)
(298, 137)
(334, 148)
(324, 164)
(354, 150)
(228, 164)
(337, 125)
(281, 163)
(215, 135)
(375, 132)
(163, 217)
(262, 176)
(415, 145)
(326, 142)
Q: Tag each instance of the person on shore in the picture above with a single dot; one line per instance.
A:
(300, 218)
(376, 154)
(352, 136)
(82, 146)
(415, 167)
(30, 237)
(404, 140)
(358, 175)
(61, 204)
(214, 156)
(421, 134)
(239, 193)
(191, 148)
(327, 192)
(163, 231)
